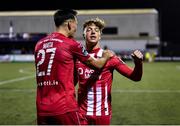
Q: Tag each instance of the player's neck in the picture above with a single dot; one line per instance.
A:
(62, 31)
(91, 47)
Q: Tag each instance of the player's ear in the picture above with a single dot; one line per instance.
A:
(84, 34)
(100, 35)
(69, 27)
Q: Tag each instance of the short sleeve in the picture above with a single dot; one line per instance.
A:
(114, 62)
(121, 66)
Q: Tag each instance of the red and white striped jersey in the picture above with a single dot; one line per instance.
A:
(94, 92)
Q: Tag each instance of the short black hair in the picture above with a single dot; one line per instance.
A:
(61, 16)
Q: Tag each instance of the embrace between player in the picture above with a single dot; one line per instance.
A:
(54, 61)
(55, 57)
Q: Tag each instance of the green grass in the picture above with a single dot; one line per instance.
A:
(17, 99)
(153, 100)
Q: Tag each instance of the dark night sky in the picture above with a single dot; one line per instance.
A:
(169, 10)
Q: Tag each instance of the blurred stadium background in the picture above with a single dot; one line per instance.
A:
(148, 25)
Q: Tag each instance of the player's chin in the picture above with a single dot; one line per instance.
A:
(93, 41)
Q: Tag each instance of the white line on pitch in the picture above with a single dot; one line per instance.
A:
(16, 79)
(25, 71)
(18, 90)
(178, 67)
(113, 91)
(145, 91)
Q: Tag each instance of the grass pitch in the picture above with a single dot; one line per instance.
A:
(153, 100)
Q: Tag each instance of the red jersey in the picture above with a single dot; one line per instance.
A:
(94, 93)
(54, 59)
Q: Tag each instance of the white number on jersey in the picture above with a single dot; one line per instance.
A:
(43, 52)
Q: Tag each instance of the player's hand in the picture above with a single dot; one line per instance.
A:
(108, 54)
(137, 56)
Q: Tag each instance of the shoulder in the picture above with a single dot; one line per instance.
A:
(115, 60)
(75, 42)
(39, 43)
(72, 42)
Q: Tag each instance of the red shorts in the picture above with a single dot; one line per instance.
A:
(95, 120)
(70, 118)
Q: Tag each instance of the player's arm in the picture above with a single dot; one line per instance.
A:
(133, 74)
(100, 62)
(75, 76)
(80, 52)
(138, 69)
